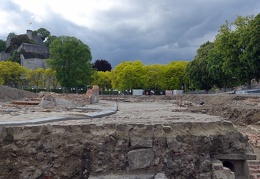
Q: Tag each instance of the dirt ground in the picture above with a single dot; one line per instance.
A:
(242, 110)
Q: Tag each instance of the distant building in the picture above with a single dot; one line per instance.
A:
(32, 55)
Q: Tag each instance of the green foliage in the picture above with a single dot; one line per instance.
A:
(11, 73)
(70, 58)
(102, 79)
(49, 40)
(15, 57)
(36, 77)
(42, 33)
(233, 59)
(174, 75)
(197, 69)
(2, 45)
(135, 75)
(252, 48)
(128, 75)
(154, 76)
(51, 81)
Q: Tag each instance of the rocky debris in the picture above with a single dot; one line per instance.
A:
(254, 139)
(240, 109)
(140, 158)
(160, 176)
(93, 94)
(254, 167)
(50, 100)
(220, 172)
(176, 150)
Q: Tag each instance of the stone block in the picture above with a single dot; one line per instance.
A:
(160, 176)
(141, 143)
(140, 158)
(225, 173)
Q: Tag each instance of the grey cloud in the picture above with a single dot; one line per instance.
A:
(152, 31)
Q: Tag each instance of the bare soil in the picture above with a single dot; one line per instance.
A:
(242, 110)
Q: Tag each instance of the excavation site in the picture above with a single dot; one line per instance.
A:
(75, 136)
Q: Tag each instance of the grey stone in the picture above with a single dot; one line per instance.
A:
(40, 156)
(224, 174)
(47, 129)
(115, 176)
(37, 173)
(160, 176)
(140, 158)
(141, 142)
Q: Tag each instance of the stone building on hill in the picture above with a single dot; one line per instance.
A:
(33, 51)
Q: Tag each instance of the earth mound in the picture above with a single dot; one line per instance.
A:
(8, 94)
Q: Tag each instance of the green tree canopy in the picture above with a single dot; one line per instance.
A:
(197, 69)
(11, 73)
(49, 39)
(42, 33)
(103, 79)
(174, 75)
(36, 77)
(128, 75)
(154, 77)
(71, 58)
(232, 42)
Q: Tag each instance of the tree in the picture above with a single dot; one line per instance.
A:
(232, 42)
(220, 78)
(11, 73)
(197, 70)
(70, 58)
(50, 78)
(252, 49)
(2, 45)
(42, 33)
(128, 75)
(103, 80)
(102, 65)
(154, 76)
(36, 77)
(49, 39)
(174, 75)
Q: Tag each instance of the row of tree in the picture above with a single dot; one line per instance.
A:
(13, 74)
(127, 75)
(232, 59)
(135, 75)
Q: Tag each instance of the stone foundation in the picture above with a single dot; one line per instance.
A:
(175, 150)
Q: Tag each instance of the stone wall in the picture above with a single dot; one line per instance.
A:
(4, 56)
(33, 63)
(34, 48)
(174, 150)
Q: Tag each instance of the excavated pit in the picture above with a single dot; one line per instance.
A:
(136, 137)
(192, 146)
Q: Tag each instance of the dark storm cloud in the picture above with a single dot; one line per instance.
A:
(167, 31)
(152, 31)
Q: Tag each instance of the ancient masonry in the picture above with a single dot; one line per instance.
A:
(174, 150)
(32, 55)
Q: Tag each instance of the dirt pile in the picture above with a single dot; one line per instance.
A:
(8, 94)
(240, 109)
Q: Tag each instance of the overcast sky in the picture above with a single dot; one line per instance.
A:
(153, 31)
